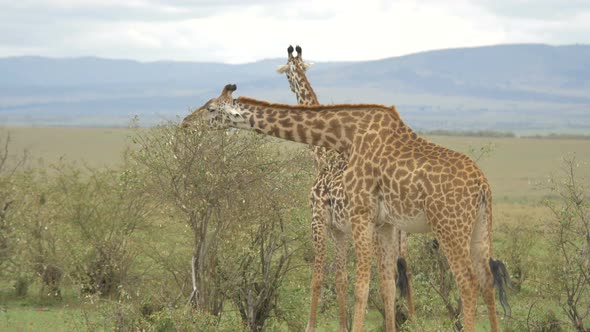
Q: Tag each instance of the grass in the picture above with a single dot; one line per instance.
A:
(54, 318)
(94, 146)
(518, 169)
(33, 313)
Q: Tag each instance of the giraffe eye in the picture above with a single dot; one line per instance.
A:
(210, 109)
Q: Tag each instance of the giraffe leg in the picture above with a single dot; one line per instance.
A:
(481, 245)
(411, 308)
(403, 252)
(456, 247)
(341, 277)
(386, 248)
(362, 230)
(488, 297)
(319, 244)
(481, 264)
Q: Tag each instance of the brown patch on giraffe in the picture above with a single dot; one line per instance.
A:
(301, 131)
(349, 131)
(370, 138)
(274, 131)
(334, 123)
(320, 124)
(401, 173)
(328, 116)
(286, 123)
(288, 134)
(316, 137)
(377, 117)
(297, 117)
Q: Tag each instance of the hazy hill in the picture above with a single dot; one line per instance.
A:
(505, 87)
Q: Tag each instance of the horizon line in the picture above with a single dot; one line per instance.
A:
(81, 57)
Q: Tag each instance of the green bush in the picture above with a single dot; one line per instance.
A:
(21, 286)
(235, 193)
(568, 280)
(517, 250)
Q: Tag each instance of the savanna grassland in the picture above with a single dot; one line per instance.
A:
(100, 227)
(517, 168)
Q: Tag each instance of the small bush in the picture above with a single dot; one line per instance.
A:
(21, 286)
(539, 319)
(517, 251)
(51, 277)
(550, 323)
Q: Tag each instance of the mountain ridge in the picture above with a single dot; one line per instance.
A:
(527, 86)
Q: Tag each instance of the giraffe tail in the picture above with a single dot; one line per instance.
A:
(402, 277)
(501, 282)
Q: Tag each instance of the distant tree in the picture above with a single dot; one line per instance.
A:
(469, 133)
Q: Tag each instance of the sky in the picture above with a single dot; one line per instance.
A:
(234, 31)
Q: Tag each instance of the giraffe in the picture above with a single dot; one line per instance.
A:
(328, 206)
(394, 178)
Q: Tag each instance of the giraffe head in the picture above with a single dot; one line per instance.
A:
(295, 68)
(219, 112)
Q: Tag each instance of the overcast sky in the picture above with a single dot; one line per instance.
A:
(242, 31)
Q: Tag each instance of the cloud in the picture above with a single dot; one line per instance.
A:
(241, 31)
(128, 10)
(549, 10)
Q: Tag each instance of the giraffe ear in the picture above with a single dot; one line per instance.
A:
(282, 69)
(307, 65)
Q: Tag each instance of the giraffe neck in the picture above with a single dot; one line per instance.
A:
(331, 126)
(307, 96)
(304, 91)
